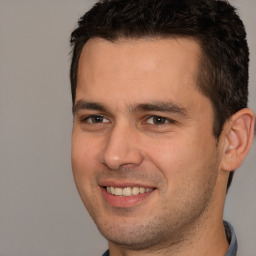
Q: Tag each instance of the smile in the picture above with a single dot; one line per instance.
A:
(127, 191)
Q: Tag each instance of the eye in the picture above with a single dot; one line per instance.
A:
(95, 119)
(159, 120)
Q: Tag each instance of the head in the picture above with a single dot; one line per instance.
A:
(223, 76)
(159, 94)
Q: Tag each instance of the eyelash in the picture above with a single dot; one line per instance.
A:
(154, 118)
(86, 118)
(165, 119)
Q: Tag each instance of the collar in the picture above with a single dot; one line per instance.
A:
(106, 253)
(231, 236)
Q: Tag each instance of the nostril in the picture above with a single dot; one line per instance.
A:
(121, 149)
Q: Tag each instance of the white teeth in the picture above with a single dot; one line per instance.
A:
(118, 192)
(135, 191)
(128, 191)
(142, 190)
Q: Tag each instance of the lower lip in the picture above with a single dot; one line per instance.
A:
(125, 201)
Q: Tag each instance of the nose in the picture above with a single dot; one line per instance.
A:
(122, 149)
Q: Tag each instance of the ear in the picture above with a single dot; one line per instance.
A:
(239, 132)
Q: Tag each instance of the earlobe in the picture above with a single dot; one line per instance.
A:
(238, 139)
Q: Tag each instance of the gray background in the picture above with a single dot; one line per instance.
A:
(40, 210)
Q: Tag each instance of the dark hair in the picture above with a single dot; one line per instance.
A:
(223, 75)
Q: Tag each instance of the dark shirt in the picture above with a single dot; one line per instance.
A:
(231, 236)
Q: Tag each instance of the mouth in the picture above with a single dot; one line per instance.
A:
(127, 191)
(126, 196)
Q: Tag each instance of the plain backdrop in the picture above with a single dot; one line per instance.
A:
(40, 211)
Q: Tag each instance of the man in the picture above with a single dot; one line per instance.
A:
(161, 122)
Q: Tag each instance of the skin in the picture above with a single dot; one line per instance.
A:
(126, 84)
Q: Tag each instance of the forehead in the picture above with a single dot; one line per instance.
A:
(145, 67)
(145, 54)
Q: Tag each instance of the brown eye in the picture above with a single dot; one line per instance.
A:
(96, 119)
(158, 120)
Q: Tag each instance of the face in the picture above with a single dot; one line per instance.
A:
(144, 157)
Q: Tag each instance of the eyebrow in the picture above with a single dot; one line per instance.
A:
(82, 104)
(157, 106)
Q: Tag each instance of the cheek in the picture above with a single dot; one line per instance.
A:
(84, 166)
(83, 158)
(181, 159)
(174, 154)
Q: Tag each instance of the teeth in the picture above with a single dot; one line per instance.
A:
(128, 191)
(142, 190)
(118, 192)
(135, 191)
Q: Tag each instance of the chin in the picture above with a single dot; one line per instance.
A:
(136, 236)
